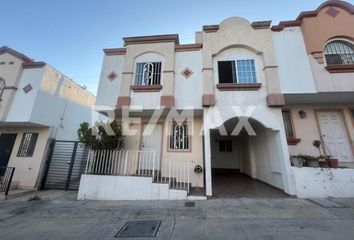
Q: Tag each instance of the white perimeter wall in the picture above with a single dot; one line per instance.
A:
(94, 187)
(323, 183)
(295, 75)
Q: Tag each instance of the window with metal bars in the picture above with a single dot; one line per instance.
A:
(225, 145)
(28, 144)
(148, 73)
(179, 139)
(339, 52)
(2, 87)
(288, 125)
(239, 71)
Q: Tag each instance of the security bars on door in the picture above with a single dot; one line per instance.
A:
(148, 73)
(139, 163)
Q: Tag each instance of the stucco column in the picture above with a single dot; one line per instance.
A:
(208, 98)
(287, 173)
(207, 162)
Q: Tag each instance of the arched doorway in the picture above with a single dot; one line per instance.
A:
(246, 163)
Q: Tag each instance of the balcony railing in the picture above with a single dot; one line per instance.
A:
(6, 174)
(139, 163)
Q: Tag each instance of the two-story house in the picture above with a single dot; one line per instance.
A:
(315, 55)
(37, 104)
(237, 102)
(201, 87)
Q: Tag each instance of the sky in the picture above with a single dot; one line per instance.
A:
(70, 35)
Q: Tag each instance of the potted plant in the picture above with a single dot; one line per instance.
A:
(332, 162)
(296, 160)
(311, 161)
(324, 160)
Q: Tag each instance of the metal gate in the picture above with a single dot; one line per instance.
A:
(66, 162)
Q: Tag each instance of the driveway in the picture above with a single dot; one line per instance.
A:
(59, 216)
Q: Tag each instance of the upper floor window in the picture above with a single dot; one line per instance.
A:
(148, 73)
(239, 71)
(339, 52)
(2, 87)
(179, 139)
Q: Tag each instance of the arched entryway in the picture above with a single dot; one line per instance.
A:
(246, 163)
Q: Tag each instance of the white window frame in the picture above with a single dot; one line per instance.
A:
(178, 142)
(238, 73)
(338, 50)
(145, 73)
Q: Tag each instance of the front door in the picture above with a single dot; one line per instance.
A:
(6, 144)
(334, 136)
(152, 141)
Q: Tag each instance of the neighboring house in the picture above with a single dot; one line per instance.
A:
(37, 104)
(315, 55)
(245, 89)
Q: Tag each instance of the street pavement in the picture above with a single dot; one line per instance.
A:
(57, 215)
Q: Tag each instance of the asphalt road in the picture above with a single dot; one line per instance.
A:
(57, 215)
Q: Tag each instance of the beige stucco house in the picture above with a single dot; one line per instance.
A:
(239, 101)
(37, 104)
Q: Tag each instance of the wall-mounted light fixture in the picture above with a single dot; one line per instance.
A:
(302, 114)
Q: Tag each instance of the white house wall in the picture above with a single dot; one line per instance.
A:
(27, 168)
(226, 160)
(54, 101)
(108, 90)
(95, 187)
(331, 82)
(188, 91)
(295, 75)
(23, 103)
(267, 162)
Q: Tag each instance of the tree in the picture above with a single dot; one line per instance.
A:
(114, 139)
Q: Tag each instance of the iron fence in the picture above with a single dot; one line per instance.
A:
(6, 174)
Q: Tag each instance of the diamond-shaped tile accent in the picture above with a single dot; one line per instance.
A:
(187, 73)
(332, 12)
(27, 88)
(112, 76)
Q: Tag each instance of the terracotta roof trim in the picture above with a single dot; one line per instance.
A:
(306, 14)
(27, 65)
(188, 47)
(115, 51)
(261, 24)
(210, 28)
(151, 39)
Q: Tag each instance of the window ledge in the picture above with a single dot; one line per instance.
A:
(146, 88)
(179, 150)
(340, 68)
(238, 86)
(294, 141)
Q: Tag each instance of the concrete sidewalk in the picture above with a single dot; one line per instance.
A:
(58, 216)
